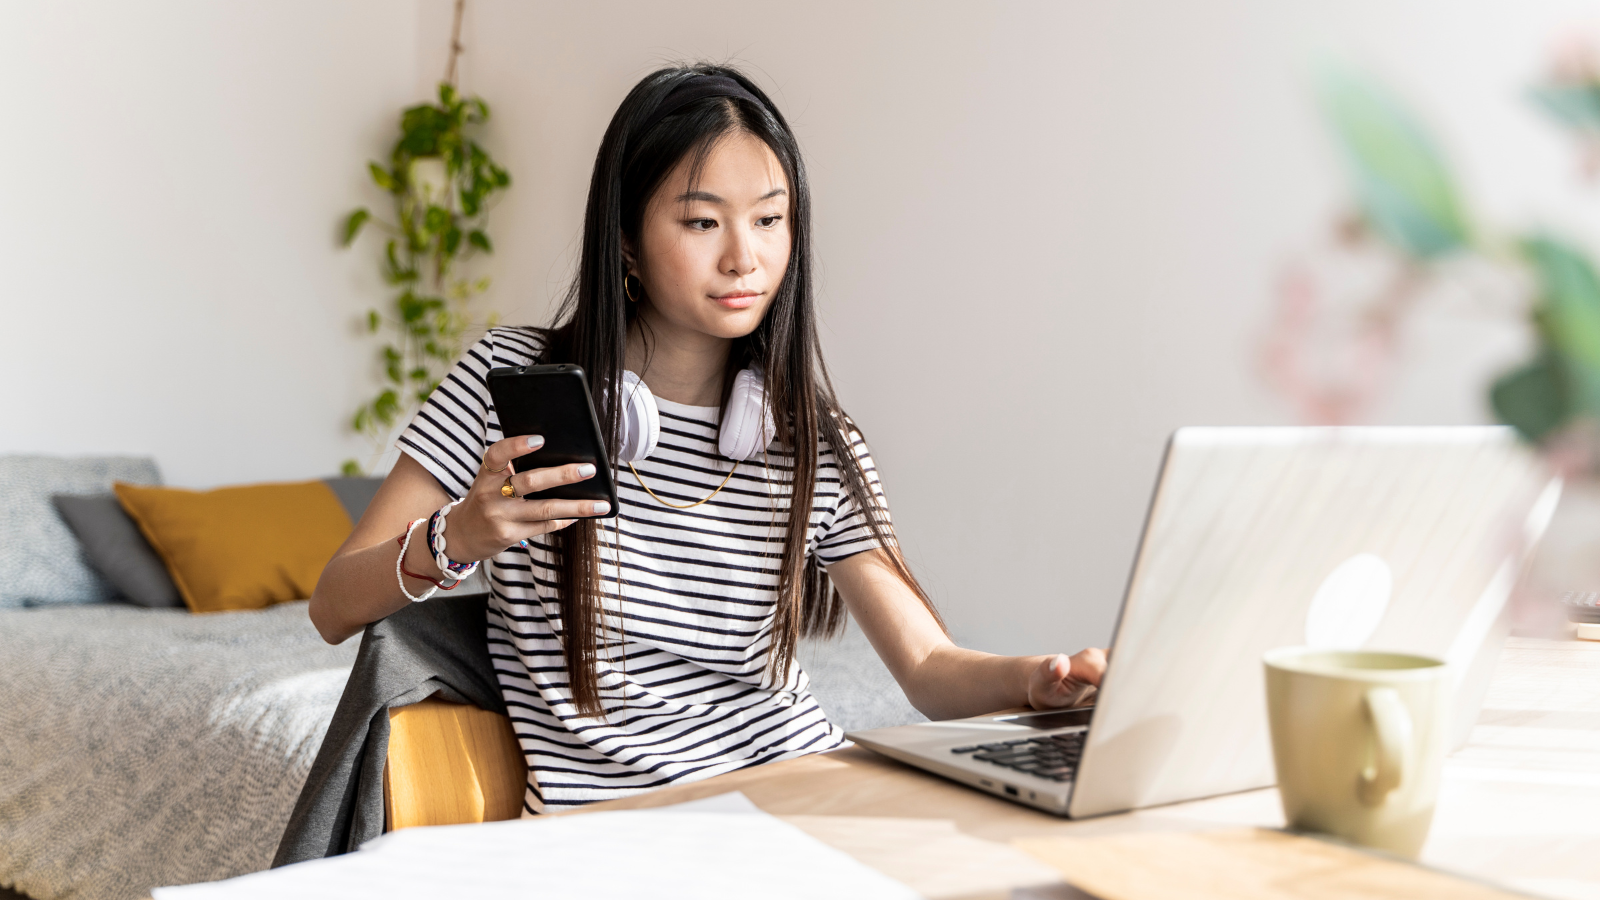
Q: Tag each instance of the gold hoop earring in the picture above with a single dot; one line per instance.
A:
(627, 286)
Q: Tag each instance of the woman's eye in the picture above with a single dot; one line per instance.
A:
(768, 221)
(702, 224)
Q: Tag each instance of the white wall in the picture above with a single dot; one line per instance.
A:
(1047, 232)
(167, 227)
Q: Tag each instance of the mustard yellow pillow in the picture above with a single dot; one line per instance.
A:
(240, 547)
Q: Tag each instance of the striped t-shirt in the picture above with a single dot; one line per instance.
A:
(683, 667)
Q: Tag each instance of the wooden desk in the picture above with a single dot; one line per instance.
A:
(1520, 804)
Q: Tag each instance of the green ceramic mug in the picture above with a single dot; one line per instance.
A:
(1358, 739)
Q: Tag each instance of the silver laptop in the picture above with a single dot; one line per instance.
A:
(1405, 539)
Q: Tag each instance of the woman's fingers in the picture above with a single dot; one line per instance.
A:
(1063, 680)
(1088, 666)
(552, 510)
(501, 453)
(543, 479)
(554, 476)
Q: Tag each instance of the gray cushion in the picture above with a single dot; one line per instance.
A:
(114, 546)
(118, 551)
(40, 561)
(354, 493)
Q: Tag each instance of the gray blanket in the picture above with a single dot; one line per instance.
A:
(143, 747)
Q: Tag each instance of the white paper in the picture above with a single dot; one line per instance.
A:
(706, 849)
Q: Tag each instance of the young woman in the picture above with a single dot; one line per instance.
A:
(659, 646)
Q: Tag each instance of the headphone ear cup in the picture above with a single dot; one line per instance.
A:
(747, 423)
(641, 421)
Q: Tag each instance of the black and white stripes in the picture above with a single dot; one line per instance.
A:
(688, 603)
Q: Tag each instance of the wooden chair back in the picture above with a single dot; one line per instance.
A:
(450, 764)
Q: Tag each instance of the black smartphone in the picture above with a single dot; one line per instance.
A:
(553, 401)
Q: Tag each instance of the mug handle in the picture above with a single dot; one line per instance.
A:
(1391, 726)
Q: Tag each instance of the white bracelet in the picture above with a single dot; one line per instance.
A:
(399, 561)
(439, 558)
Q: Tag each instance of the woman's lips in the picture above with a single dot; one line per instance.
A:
(737, 299)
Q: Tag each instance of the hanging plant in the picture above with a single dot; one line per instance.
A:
(441, 183)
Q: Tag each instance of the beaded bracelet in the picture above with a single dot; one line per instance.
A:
(437, 544)
(400, 571)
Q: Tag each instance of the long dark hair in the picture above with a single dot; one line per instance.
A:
(592, 331)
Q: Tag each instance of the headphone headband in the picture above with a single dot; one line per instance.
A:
(695, 87)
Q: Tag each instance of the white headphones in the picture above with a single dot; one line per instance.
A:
(747, 425)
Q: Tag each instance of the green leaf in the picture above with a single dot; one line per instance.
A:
(1533, 399)
(452, 241)
(420, 373)
(447, 94)
(411, 308)
(350, 469)
(387, 407)
(382, 177)
(480, 110)
(373, 321)
(1568, 315)
(353, 223)
(391, 364)
(478, 239)
(1404, 188)
(362, 419)
(423, 129)
(436, 219)
(1576, 106)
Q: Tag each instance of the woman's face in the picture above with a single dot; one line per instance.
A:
(712, 258)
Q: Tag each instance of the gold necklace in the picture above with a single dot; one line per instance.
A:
(683, 505)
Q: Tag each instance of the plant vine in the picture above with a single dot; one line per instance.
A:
(441, 183)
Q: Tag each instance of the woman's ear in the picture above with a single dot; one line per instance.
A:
(629, 261)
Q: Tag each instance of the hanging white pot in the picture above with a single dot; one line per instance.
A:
(429, 180)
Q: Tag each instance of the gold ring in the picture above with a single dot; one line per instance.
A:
(506, 490)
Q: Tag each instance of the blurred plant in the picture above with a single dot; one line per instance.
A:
(1571, 95)
(1404, 190)
(1334, 339)
(1554, 400)
(1409, 211)
(440, 181)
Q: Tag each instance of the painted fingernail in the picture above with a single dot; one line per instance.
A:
(524, 543)
(535, 441)
(601, 507)
(585, 470)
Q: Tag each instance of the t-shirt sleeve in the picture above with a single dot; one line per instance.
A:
(450, 432)
(843, 532)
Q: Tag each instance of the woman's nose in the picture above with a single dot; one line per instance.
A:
(739, 256)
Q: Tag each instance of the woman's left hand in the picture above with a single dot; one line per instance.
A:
(1062, 680)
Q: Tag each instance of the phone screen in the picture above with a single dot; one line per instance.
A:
(553, 401)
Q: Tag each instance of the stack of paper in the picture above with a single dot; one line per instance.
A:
(723, 847)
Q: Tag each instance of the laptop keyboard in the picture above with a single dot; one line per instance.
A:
(1052, 757)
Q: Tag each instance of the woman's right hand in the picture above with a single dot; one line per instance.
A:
(486, 522)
